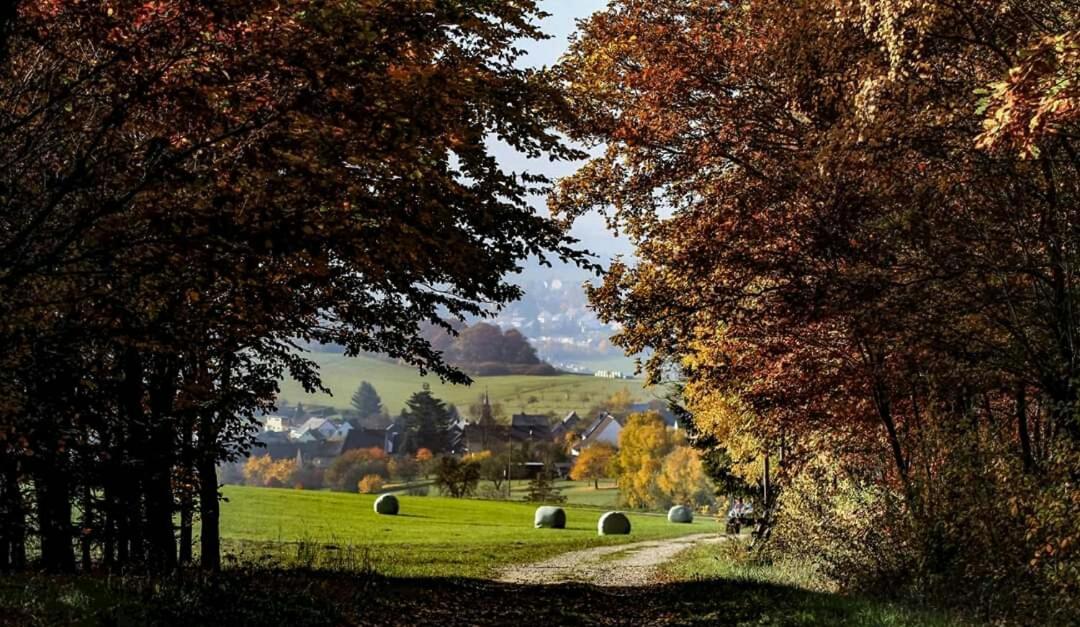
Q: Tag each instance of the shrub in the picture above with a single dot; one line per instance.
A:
(991, 539)
(345, 473)
(370, 484)
(854, 533)
(264, 472)
(403, 468)
(541, 490)
(425, 459)
(455, 477)
(310, 477)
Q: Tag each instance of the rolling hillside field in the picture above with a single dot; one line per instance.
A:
(432, 536)
(558, 394)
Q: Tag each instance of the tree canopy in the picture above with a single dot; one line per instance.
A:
(192, 190)
(853, 246)
(426, 420)
(366, 400)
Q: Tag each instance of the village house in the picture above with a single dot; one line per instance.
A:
(321, 429)
(530, 428)
(565, 426)
(605, 428)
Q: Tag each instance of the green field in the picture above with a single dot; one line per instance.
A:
(516, 393)
(432, 537)
(578, 493)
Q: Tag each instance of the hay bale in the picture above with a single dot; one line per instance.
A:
(680, 514)
(613, 524)
(387, 505)
(549, 517)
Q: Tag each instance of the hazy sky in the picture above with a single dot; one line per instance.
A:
(564, 13)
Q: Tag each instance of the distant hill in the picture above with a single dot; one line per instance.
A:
(484, 349)
(558, 394)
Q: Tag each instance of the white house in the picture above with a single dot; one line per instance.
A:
(321, 429)
(606, 428)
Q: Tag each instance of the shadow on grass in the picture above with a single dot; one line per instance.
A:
(299, 598)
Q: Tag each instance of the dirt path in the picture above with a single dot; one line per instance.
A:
(634, 564)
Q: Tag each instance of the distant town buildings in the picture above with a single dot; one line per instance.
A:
(611, 374)
(318, 435)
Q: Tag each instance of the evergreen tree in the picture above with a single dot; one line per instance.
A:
(543, 490)
(366, 400)
(426, 422)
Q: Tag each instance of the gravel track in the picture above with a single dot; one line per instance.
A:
(623, 565)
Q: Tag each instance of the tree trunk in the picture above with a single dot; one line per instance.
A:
(766, 492)
(87, 527)
(209, 507)
(108, 527)
(54, 518)
(1022, 429)
(186, 496)
(13, 522)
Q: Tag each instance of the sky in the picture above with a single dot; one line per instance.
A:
(590, 229)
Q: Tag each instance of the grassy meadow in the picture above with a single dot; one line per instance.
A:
(558, 394)
(431, 537)
(324, 558)
(578, 492)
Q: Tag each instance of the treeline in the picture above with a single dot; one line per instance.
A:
(857, 247)
(485, 350)
(190, 190)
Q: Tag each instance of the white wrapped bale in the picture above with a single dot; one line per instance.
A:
(680, 514)
(387, 505)
(549, 517)
(613, 524)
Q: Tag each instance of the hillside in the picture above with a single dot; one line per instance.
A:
(557, 394)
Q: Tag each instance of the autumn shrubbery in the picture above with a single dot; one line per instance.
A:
(264, 472)
(851, 532)
(345, 473)
(370, 484)
(984, 535)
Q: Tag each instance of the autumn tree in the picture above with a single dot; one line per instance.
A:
(346, 471)
(224, 179)
(682, 480)
(455, 477)
(265, 472)
(495, 468)
(643, 444)
(594, 463)
(851, 228)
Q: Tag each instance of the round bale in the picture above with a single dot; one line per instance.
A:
(613, 524)
(387, 505)
(548, 517)
(680, 514)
